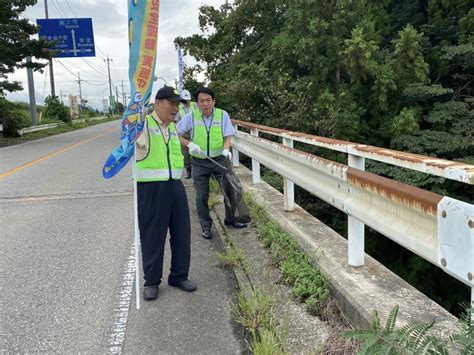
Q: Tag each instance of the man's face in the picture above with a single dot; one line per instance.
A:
(186, 103)
(206, 103)
(166, 110)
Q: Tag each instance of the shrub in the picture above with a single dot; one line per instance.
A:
(55, 110)
(13, 117)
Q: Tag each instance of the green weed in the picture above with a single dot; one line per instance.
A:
(255, 314)
(233, 257)
(308, 284)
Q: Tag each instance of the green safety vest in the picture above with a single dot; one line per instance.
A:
(164, 160)
(211, 142)
(182, 113)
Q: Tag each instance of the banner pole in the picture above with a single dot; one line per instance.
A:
(137, 233)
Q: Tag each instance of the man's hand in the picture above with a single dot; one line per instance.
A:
(227, 154)
(194, 149)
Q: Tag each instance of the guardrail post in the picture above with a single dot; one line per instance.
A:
(235, 152)
(355, 228)
(472, 304)
(288, 185)
(255, 163)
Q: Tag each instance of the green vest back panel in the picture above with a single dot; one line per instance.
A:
(182, 113)
(164, 161)
(212, 142)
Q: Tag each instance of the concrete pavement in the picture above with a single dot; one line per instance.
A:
(66, 270)
(185, 323)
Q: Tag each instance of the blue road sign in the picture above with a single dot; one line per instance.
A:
(73, 37)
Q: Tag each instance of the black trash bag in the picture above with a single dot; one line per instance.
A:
(233, 195)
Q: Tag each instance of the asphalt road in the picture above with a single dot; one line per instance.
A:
(66, 266)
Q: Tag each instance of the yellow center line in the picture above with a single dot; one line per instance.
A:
(50, 155)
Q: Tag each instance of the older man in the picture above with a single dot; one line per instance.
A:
(162, 200)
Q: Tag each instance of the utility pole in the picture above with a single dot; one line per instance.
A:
(124, 99)
(61, 95)
(80, 91)
(116, 98)
(31, 91)
(51, 74)
(108, 60)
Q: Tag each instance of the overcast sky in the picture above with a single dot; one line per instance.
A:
(109, 20)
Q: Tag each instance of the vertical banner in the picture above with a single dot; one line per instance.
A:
(142, 36)
(180, 70)
(73, 107)
(105, 105)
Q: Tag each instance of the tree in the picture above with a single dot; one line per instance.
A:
(16, 43)
(55, 110)
(190, 81)
(390, 73)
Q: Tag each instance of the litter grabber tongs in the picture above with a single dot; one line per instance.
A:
(219, 165)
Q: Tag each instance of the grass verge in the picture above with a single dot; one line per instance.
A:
(255, 313)
(307, 283)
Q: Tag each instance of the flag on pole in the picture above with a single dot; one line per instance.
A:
(180, 70)
(142, 36)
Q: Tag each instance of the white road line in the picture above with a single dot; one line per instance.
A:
(122, 305)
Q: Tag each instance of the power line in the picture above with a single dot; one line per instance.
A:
(67, 3)
(93, 67)
(102, 83)
(104, 56)
(57, 61)
(61, 13)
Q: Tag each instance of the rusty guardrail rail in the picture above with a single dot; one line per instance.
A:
(438, 228)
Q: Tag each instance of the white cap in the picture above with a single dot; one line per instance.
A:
(185, 95)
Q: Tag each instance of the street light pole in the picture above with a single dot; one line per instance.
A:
(31, 91)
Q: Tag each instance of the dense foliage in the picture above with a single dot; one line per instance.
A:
(395, 74)
(16, 42)
(55, 110)
(13, 116)
(415, 337)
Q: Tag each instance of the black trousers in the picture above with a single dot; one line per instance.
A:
(185, 152)
(163, 206)
(203, 169)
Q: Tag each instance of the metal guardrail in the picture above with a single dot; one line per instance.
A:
(36, 128)
(440, 167)
(54, 125)
(81, 120)
(437, 228)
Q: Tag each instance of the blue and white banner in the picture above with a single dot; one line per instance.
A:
(180, 69)
(142, 36)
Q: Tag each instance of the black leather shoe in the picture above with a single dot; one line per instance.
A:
(185, 285)
(189, 175)
(235, 224)
(150, 293)
(207, 234)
